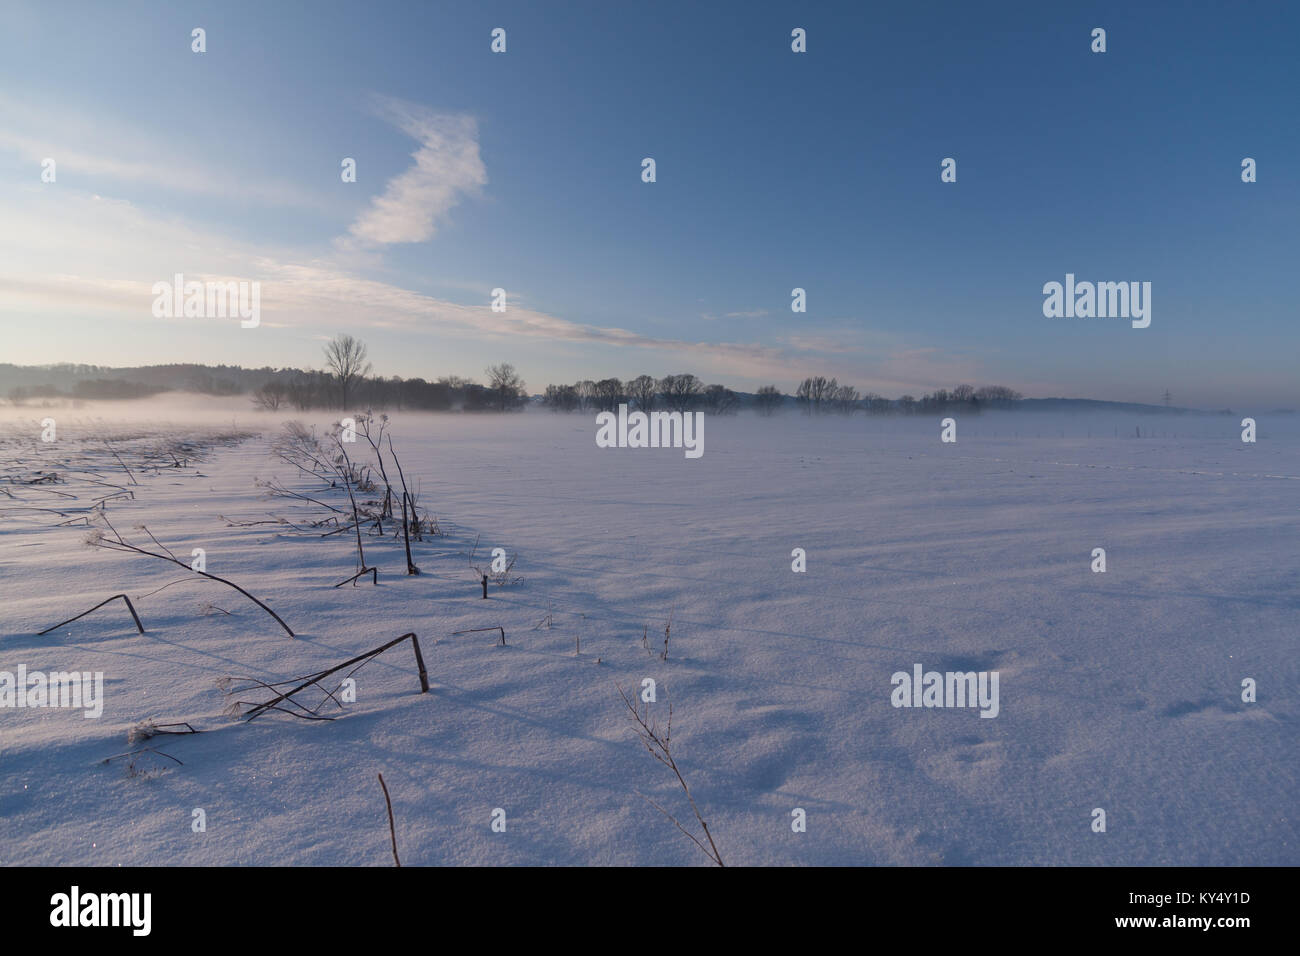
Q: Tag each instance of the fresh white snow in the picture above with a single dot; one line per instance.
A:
(1119, 690)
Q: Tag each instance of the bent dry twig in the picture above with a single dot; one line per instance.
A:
(142, 750)
(373, 572)
(392, 831)
(120, 462)
(118, 543)
(476, 630)
(148, 728)
(302, 683)
(129, 606)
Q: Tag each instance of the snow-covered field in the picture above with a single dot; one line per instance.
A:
(1119, 690)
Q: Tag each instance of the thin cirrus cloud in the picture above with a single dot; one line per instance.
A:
(99, 149)
(447, 168)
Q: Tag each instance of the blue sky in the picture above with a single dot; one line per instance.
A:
(775, 170)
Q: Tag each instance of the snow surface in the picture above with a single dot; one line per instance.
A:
(1119, 690)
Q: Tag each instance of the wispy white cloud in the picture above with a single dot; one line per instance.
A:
(751, 314)
(87, 149)
(447, 168)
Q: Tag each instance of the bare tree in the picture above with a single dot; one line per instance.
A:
(608, 394)
(822, 391)
(680, 391)
(845, 398)
(561, 398)
(768, 399)
(814, 392)
(271, 396)
(644, 390)
(720, 400)
(803, 396)
(506, 386)
(346, 358)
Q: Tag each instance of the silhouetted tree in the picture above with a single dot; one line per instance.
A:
(643, 390)
(680, 392)
(608, 394)
(844, 397)
(560, 398)
(506, 386)
(346, 358)
(720, 400)
(813, 393)
(768, 399)
(271, 396)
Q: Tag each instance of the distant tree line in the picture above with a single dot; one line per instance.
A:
(90, 389)
(821, 395)
(676, 393)
(816, 395)
(347, 383)
(318, 389)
